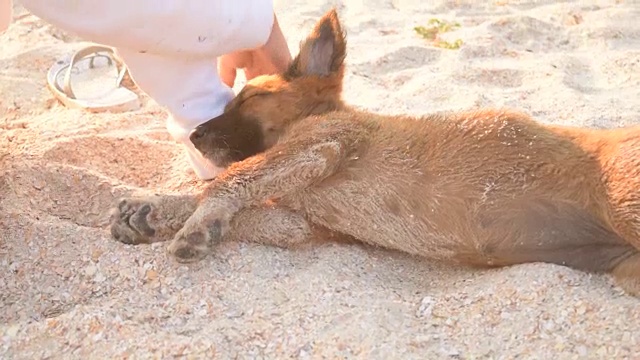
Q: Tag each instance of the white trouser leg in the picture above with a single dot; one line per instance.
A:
(171, 48)
(176, 28)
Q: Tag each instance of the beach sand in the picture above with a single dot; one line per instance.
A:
(69, 291)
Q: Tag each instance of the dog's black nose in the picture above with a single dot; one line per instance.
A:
(198, 133)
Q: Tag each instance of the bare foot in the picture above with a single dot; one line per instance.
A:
(148, 219)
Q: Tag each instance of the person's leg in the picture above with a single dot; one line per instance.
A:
(171, 48)
(173, 28)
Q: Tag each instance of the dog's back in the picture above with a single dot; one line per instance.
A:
(486, 188)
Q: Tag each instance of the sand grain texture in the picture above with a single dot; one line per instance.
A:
(67, 290)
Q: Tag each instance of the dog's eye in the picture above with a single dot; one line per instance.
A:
(243, 99)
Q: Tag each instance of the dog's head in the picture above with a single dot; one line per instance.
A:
(254, 120)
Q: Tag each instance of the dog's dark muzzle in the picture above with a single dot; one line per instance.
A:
(201, 131)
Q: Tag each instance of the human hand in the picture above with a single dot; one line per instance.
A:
(271, 58)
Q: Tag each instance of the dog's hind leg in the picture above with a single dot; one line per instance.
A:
(560, 233)
(268, 225)
(621, 169)
(276, 226)
(627, 274)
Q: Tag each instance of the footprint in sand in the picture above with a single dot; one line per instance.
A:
(498, 48)
(22, 74)
(405, 58)
(58, 190)
(525, 33)
(131, 161)
(587, 76)
(505, 78)
(578, 75)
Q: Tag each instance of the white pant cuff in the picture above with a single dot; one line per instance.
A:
(203, 168)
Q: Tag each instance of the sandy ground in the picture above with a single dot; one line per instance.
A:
(67, 290)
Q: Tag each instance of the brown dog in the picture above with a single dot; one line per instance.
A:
(485, 188)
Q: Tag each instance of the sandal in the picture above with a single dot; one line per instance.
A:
(94, 87)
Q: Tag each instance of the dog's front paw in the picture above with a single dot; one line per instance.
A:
(147, 219)
(195, 243)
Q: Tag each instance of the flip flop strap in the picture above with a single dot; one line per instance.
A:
(93, 51)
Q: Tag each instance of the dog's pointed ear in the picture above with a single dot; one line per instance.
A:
(324, 50)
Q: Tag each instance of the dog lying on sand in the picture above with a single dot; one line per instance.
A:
(485, 188)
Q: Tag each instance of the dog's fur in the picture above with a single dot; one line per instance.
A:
(484, 188)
